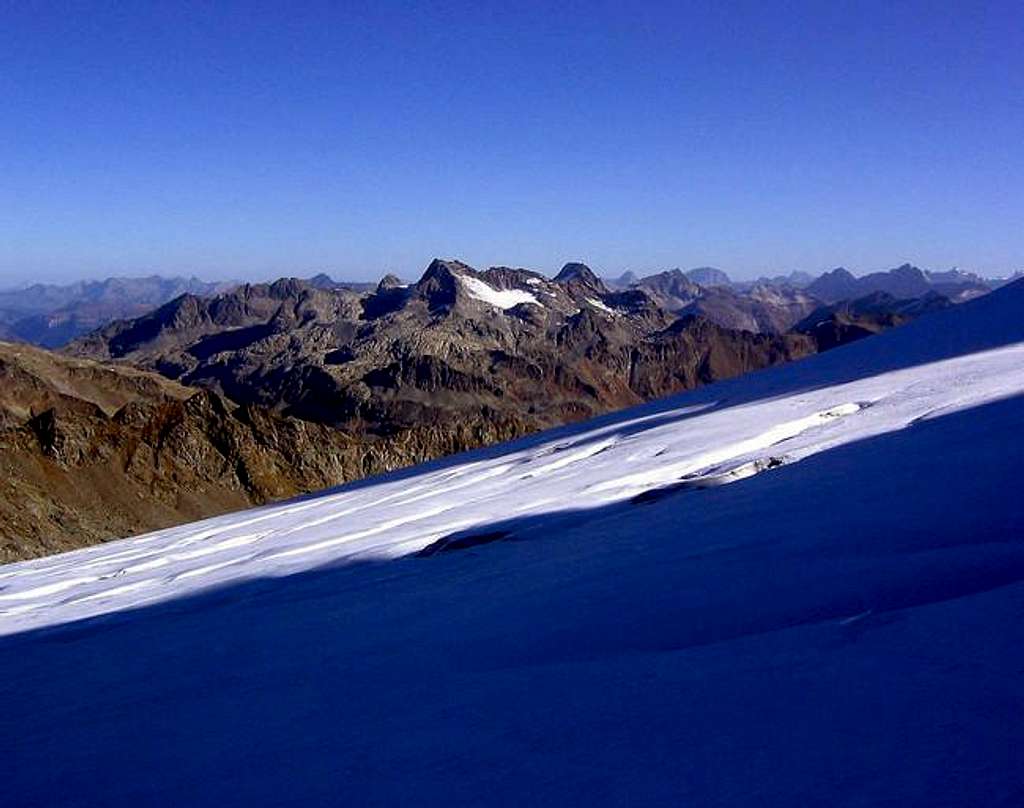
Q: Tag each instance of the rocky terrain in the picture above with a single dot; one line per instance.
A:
(90, 452)
(476, 346)
(850, 320)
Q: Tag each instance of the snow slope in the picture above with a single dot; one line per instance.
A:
(804, 586)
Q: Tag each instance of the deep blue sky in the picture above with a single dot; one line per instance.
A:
(259, 139)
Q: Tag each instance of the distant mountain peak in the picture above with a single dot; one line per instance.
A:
(284, 288)
(575, 270)
(709, 276)
(580, 275)
(389, 281)
(322, 281)
(624, 281)
(444, 267)
(908, 270)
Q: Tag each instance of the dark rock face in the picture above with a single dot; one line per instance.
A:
(580, 279)
(694, 351)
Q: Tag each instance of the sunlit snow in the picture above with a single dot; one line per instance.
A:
(499, 298)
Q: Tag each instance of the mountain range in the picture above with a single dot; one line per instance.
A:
(51, 315)
(503, 345)
(904, 282)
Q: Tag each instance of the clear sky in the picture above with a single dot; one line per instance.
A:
(257, 139)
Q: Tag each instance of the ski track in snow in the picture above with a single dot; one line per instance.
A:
(696, 445)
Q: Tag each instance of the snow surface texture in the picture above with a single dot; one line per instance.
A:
(499, 298)
(804, 586)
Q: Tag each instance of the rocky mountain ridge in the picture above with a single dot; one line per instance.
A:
(92, 451)
(457, 343)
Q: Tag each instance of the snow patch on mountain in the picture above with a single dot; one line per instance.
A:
(597, 304)
(499, 298)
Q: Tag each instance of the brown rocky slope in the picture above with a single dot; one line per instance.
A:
(90, 452)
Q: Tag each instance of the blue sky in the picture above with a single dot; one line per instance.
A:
(259, 139)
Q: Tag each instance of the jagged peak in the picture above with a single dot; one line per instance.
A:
(287, 287)
(439, 284)
(908, 269)
(388, 282)
(669, 275)
(577, 271)
(322, 281)
(442, 267)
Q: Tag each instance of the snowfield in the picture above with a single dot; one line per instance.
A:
(499, 298)
(802, 586)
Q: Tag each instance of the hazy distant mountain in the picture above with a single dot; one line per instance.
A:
(708, 276)
(672, 290)
(954, 276)
(837, 284)
(774, 305)
(325, 281)
(903, 282)
(763, 308)
(757, 307)
(794, 280)
(624, 281)
(51, 315)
